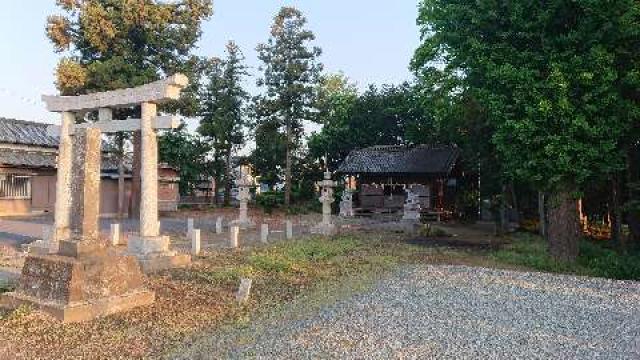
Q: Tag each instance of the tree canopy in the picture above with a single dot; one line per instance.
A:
(291, 72)
(555, 80)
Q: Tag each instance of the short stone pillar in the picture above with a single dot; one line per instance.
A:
(234, 235)
(190, 227)
(411, 206)
(219, 225)
(244, 290)
(346, 204)
(264, 233)
(244, 195)
(115, 234)
(326, 227)
(288, 229)
(195, 242)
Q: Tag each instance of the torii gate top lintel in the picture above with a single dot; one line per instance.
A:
(157, 92)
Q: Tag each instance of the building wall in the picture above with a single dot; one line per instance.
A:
(43, 194)
(15, 207)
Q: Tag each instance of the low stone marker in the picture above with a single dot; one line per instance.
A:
(264, 233)
(234, 235)
(190, 227)
(195, 242)
(115, 234)
(289, 229)
(219, 225)
(244, 290)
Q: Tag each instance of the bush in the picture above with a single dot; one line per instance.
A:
(270, 200)
(430, 231)
(595, 259)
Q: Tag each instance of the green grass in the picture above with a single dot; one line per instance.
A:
(595, 259)
(5, 287)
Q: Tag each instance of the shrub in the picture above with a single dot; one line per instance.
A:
(270, 200)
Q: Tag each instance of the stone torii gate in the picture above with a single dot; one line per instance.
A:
(84, 278)
(148, 246)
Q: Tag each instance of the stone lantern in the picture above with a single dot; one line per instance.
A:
(346, 204)
(244, 185)
(326, 227)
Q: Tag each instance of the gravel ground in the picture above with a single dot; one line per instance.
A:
(449, 312)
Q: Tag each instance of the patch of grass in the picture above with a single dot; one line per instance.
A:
(19, 312)
(5, 287)
(604, 262)
(595, 259)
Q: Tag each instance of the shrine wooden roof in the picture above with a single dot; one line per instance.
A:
(401, 160)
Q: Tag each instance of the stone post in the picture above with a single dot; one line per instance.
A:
(264, 233)
(195, 242)
(115, 234)
(85, 190)
(234, 235)
(244, 290)
(219, 225)
(289, 229)
(63, 183)
(149, 174)
(190, 227)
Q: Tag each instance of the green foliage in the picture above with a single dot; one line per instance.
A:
(295, 256)
(552, 77)
(114, 44)
(377, 117)
(291, 72)
(270, 200)
(5, 287)
(187, 153)
(433, 231)
(595, 259)
(222, 112)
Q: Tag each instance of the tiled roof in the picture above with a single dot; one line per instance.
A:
(30, 159)
(26, 133)
(420, 159)
(40, 159)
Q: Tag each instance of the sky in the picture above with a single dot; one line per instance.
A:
(370, 41)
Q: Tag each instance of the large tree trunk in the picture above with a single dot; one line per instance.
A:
(564, 226)
(134, 201)
(542, 214)
(616, 214)
(514, 201)
(287, 176)
(633, 176)
(227, 179)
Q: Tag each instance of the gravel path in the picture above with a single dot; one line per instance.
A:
(451, 312)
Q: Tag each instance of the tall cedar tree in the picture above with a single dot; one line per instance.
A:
(291, 73)
(552, 79)
(114, 44)
(223, 110)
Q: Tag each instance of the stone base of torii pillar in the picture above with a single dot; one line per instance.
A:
(154, 253)
(84, 279)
